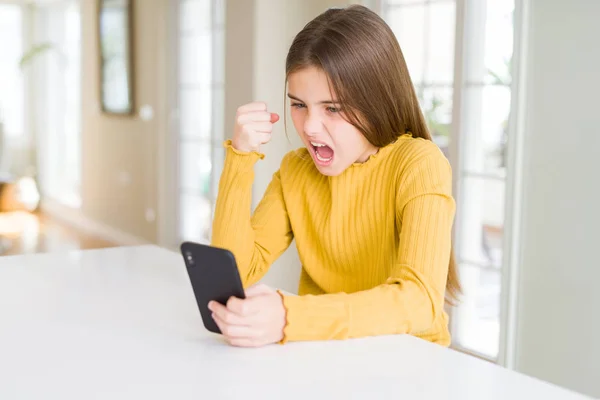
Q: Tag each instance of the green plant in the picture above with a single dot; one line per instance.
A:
(27, 58)
(433, 118)
(36, 51)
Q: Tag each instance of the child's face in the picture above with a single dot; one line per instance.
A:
(333, 143)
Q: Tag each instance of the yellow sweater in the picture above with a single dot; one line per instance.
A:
(374, 242)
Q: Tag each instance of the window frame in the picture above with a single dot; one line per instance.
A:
(52, 185)
(171, 230)
(508, 269)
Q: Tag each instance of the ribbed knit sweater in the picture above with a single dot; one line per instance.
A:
(374, 242)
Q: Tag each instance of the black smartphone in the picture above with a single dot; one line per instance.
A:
(214, 276)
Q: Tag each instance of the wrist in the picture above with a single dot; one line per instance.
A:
(242, 147)
(284, 322)
(228, 144)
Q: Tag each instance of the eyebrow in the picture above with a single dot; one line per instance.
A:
(291, 96)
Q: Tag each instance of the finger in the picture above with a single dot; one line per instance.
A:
(274, 118)
(257, 290)
(254, 106)
(244, 342)
(225, 315)
(264, 137)
(218, 321)
(254, 116)
(265, 127)
(234, 331)
(215, 305)
(242, 307)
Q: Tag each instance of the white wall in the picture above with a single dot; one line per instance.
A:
(260, 45)
(120, 179)
(558, 333)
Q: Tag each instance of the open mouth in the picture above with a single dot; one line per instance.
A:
(323, 153)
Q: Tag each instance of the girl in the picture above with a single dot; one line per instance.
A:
(368, 200)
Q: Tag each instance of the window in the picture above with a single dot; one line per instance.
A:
(40, 99)
(486, 104)
(426, 32)
(57, 100)
(12, 94)
(201, 107)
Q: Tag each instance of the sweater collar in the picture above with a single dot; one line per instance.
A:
(381, 153)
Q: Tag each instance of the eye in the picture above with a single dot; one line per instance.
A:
(333, 109)
(298, 105)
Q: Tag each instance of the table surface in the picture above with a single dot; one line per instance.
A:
(122, 323)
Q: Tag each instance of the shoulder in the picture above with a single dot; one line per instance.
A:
(410, 152)
(421, 165)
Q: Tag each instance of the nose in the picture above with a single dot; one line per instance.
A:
(313, 125)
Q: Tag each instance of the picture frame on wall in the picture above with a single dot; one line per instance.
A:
(115, 33)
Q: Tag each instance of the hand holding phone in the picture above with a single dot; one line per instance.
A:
(214, 276)
(255, 321)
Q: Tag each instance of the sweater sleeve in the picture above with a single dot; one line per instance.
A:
(412, 298)
(255, 240)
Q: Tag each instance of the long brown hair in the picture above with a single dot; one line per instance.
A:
(363, 61)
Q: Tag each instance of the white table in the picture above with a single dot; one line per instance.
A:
(122, 324)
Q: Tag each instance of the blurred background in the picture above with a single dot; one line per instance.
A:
(113, 114)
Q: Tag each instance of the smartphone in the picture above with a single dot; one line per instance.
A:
(214, 276)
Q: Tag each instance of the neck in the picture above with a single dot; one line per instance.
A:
(365, 156)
